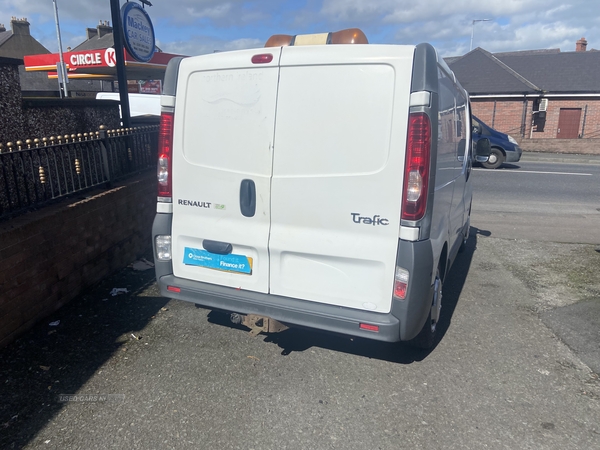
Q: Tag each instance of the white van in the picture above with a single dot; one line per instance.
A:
(139, 104)
(318, 186)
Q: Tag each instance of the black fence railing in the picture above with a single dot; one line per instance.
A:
(39, 171)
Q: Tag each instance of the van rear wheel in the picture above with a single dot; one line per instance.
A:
(495, 159)
(426, 337)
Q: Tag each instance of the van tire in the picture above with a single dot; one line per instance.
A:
(495, 159)
(427, 336)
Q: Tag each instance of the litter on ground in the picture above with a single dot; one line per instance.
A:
(117, 291)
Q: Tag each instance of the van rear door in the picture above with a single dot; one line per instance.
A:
(340, 139)
(222, 161)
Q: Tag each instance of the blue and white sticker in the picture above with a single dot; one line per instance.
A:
(229, 263)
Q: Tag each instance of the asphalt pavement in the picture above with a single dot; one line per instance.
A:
(139, 371)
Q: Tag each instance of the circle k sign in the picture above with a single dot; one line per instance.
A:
(93, 58)
(109, 57)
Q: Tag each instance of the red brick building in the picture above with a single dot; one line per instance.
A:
(538, 94)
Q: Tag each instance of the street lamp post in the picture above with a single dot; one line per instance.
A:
(473, 29)
(62, 72)
(120, 57)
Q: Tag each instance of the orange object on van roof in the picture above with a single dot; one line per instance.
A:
(347, 36)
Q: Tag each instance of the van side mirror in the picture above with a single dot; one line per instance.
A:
(482, 150)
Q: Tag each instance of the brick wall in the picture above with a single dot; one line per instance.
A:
(592, 118)
(50, 256)
(506, 116)
(503, 115)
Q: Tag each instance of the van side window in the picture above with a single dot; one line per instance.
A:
(447, 142)
(453, 128)
(461, 125)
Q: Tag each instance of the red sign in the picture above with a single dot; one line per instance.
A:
(73, 60)
(103, 58)
(150, 87)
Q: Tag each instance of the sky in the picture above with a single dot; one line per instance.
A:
(193, 27)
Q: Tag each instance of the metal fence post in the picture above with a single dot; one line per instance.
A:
(103, 136)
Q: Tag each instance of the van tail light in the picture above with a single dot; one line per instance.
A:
(165, 155)
(416, 169)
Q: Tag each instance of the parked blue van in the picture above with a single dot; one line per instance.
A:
(504, 147)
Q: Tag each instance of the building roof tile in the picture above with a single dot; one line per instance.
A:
(527, 72)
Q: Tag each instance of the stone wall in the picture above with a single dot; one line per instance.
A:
(51, 117)
(50, 256)
(11, 112)
(22, 119)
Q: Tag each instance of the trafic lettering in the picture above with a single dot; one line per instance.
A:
(375, 220)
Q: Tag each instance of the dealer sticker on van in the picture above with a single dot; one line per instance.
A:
(228, 263)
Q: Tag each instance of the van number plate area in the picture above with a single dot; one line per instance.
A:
(226, 263)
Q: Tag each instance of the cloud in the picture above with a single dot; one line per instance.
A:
(201, 45)
(514, 25)
(406, 12)
(201, 26)
(216, 12)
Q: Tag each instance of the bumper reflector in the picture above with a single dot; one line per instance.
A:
(369, 327)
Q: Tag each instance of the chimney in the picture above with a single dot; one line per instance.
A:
(91, 33)
(581, 45)
(2, 27)
(20, 26)
(104, 28)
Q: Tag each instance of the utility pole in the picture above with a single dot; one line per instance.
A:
(61, 68)
(473, 29)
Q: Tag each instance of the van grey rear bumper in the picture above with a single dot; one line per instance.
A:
(403, 322)
(290, 311)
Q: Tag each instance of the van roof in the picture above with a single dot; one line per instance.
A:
(347, 36)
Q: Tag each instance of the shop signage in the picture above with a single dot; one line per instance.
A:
(138, 32)
(103, 57)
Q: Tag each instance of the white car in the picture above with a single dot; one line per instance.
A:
(139, 104)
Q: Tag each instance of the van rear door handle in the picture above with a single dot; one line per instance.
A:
(220, 248)
(248, 198)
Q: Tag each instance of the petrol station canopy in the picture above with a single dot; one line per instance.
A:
(100, 64)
